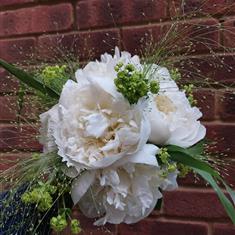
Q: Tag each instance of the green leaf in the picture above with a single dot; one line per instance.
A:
(223, 199)
(192, 162)
(28, 79)
(229, 190)
(194, 151)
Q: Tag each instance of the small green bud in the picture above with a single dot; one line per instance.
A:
(164, 155)
(118, 66)
(75, 226)
(130, 67)
(36, 156)
(171, 167)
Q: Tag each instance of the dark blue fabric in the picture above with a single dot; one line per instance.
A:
(21, 216)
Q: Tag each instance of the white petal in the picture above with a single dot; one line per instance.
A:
(147, 155)
(96, 125)
(160, 132)
(81, 184)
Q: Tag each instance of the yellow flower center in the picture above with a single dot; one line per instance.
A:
(164, 104)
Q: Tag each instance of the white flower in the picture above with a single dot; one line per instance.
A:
(173, 120)
(93, 126)
(124, 193)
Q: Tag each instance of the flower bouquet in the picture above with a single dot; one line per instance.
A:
(116, 134)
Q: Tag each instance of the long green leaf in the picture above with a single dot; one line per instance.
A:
(202, 168)
(28, 79)
(192, 162)
(224, 200)
(194, 151)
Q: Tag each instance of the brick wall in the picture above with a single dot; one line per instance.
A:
(32, 26)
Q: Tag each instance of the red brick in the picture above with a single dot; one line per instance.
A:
(226, 105)
(229, 174)
(176, 38)
(201, 204)
(15, 50)
(199, 35)
(102, 13)
(208, 71)
(199, 7)
(223, 229)
(137, 39)
(19, 137)
(153, 227)
(8, 108)
(7, 83)
(191, 180)
(36, 20)
(206, 103)
(10, 159)
(223, 135)
(85, 45)
(14, 2)
(229, 32)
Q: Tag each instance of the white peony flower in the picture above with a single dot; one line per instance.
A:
(93, 126)
(124, 193)
(173, 120)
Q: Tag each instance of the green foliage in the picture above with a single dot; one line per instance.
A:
(54, 76)
(40, 195)
(29, 80)
(132, 83)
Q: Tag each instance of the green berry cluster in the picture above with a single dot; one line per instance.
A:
(40, 195)
(132, 83)
(49, 73)
(59, 223)
(75, 226)
(189, 91)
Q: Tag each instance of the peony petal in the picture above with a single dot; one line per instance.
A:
(160, 132)
(81, 184)
(147, 155)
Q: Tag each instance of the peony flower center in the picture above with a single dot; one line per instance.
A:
(164, 104)
(106, 133)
